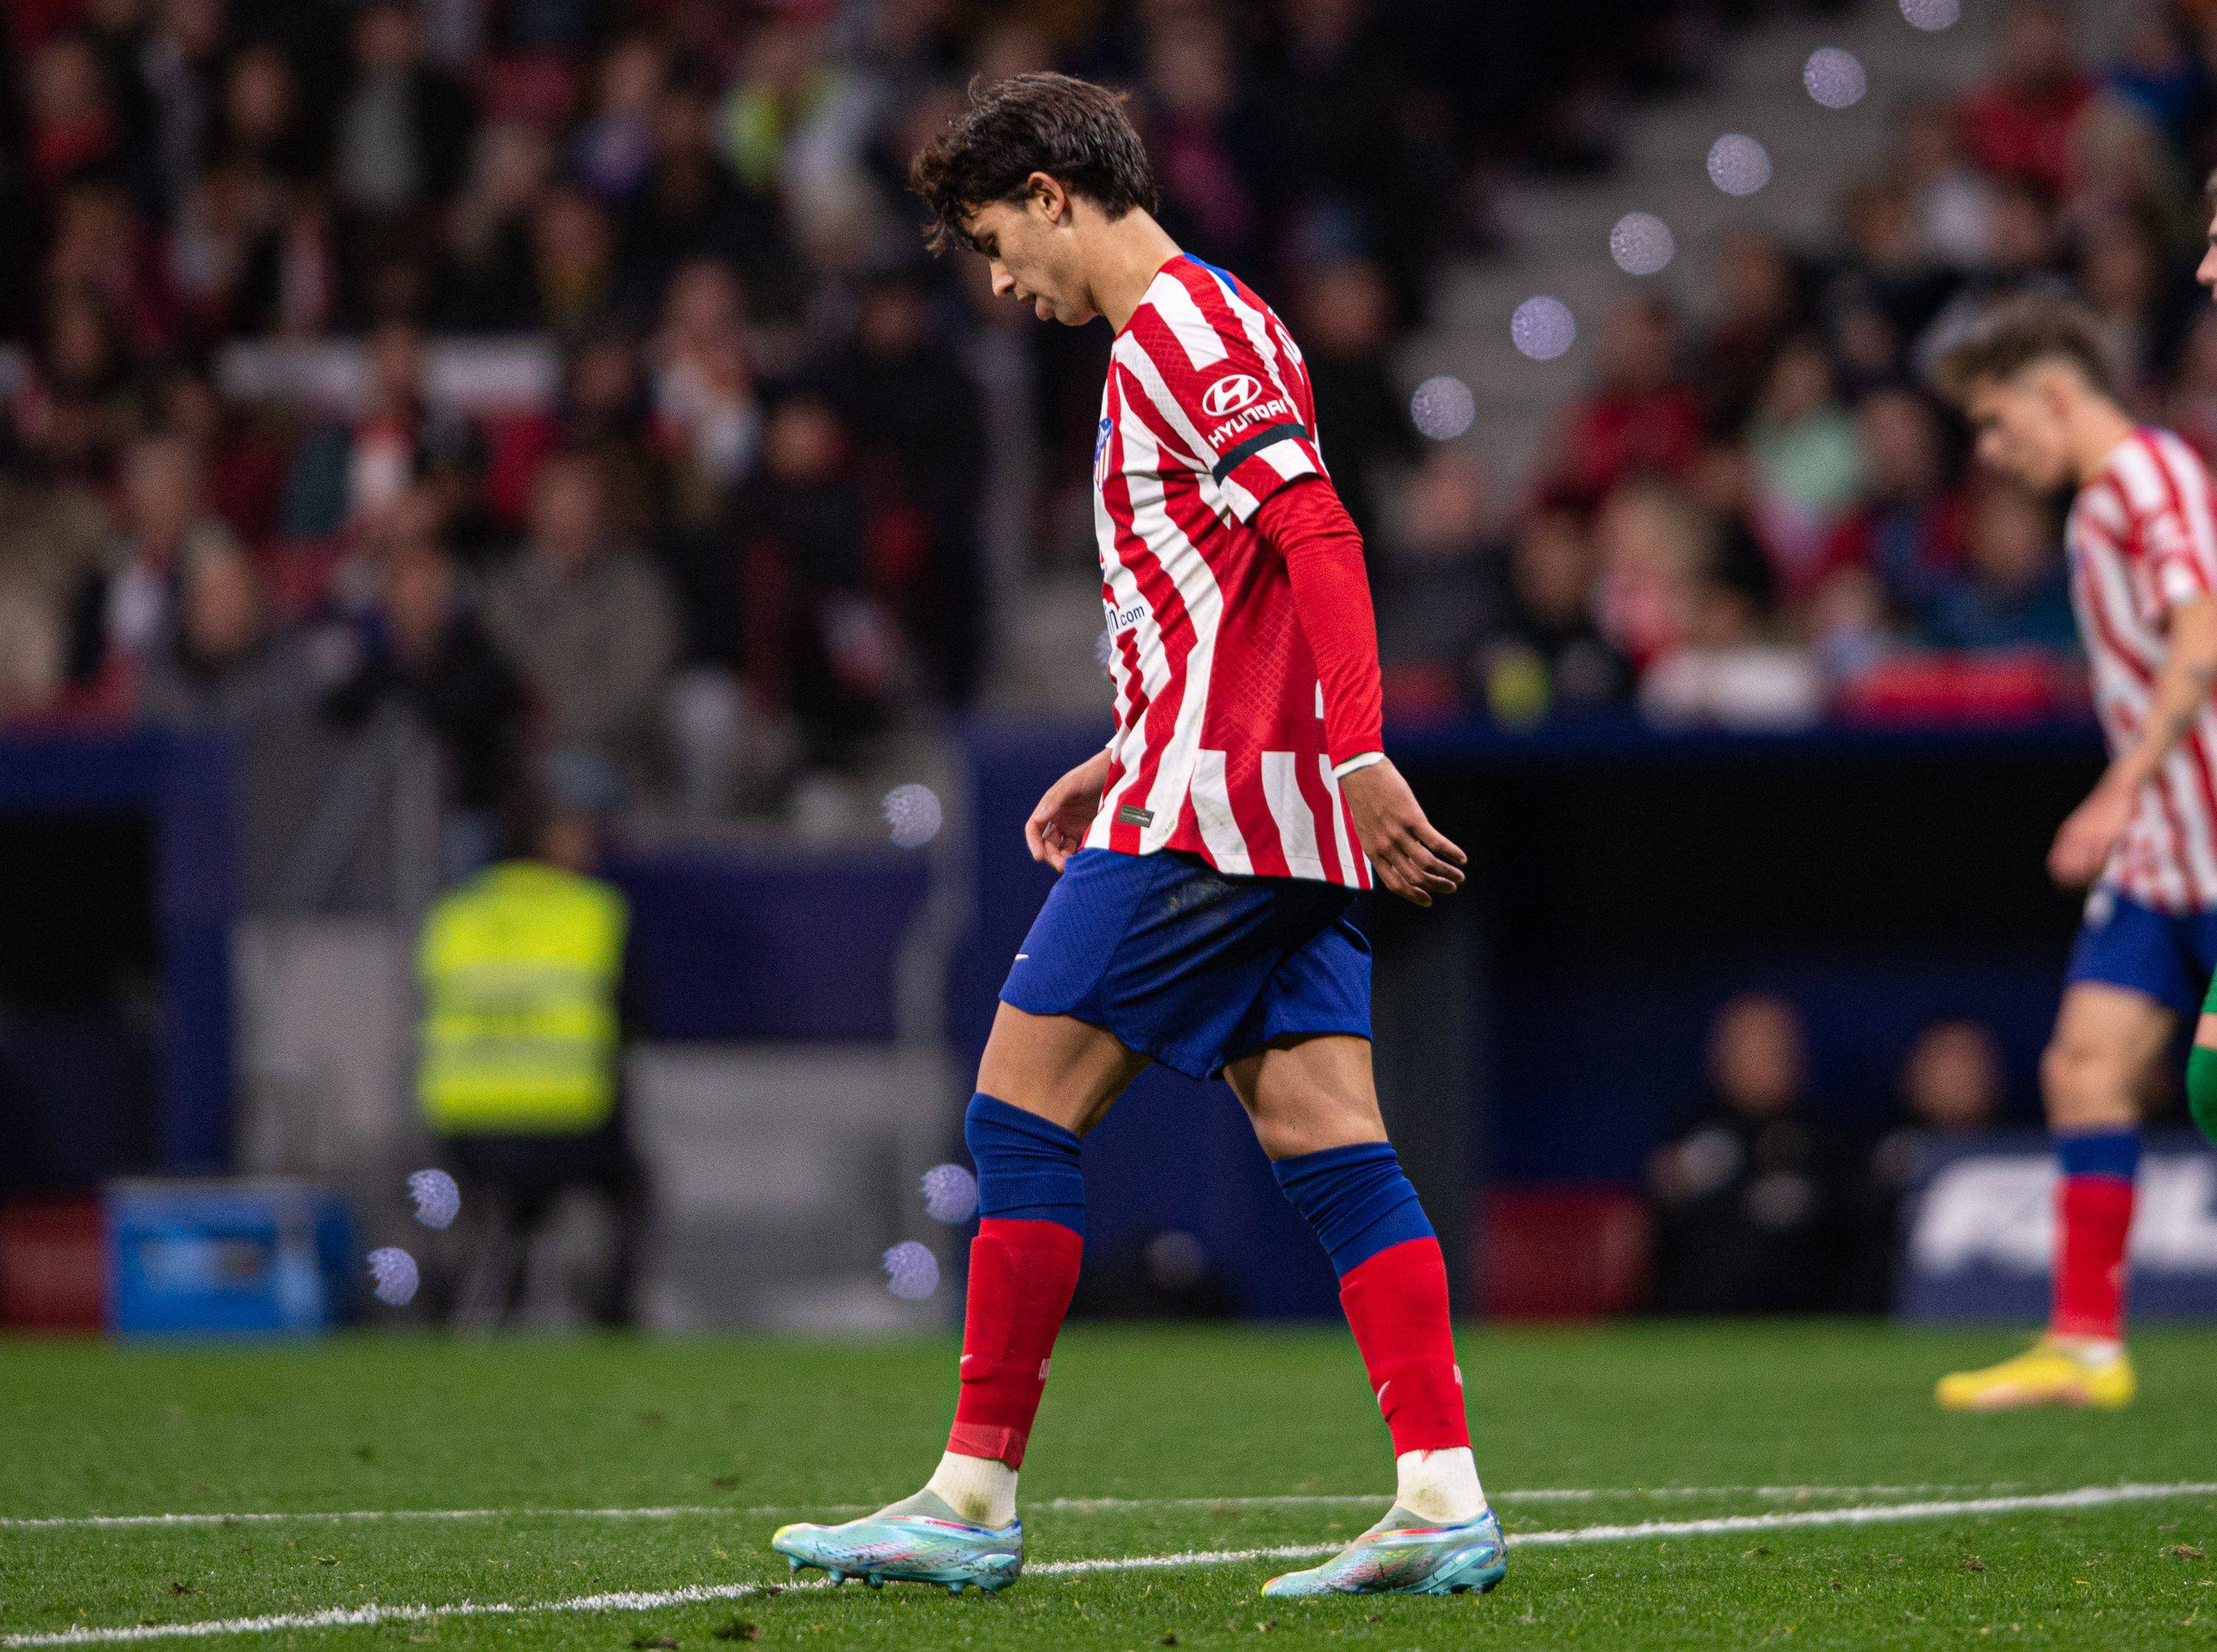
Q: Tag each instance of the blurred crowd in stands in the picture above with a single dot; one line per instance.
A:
(1768, 1200)
(1760, 514)
(659, 465)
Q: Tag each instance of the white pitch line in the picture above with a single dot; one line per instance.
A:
(1059, 1505)
(659, 1600)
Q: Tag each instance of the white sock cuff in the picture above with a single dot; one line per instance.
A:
(976, 1488)
(1441, 1485)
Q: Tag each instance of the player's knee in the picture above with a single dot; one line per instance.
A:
(2085, 1084)
(2201, 1088)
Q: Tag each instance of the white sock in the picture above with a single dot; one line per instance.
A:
(2090, 1350)
(977, 1488)
(1441, 1486)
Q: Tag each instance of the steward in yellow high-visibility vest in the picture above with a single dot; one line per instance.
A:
(522, 970)
(521, 1074)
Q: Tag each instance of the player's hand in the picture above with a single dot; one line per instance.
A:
(1412, 859)
(2085, 841)
(1056, 828)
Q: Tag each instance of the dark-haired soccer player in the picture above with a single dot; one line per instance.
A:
(1210, 857)
(2142, 538)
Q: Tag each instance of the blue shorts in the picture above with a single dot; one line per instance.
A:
(1190, 967)
(2168, 956)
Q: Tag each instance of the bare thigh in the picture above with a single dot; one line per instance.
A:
(1304, 1094)
(1056, 1066)
(2098, 1063)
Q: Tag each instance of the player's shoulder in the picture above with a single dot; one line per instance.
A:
(1195, 316)
(2155, 470)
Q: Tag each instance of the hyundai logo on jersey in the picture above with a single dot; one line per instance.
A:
(1229, 394)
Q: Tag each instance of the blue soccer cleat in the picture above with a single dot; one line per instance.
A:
(1405, 1554)
(919, 1540)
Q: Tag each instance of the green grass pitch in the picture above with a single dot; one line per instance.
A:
(538, 1439)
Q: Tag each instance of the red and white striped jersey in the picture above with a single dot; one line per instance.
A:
(1220, 746)
(2142, 537)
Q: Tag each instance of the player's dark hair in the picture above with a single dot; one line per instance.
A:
(1073, 131)
(2018, 333)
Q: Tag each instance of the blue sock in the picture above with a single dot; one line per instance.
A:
(1356, 1198)
(2098, 1152)
(1027, 1165)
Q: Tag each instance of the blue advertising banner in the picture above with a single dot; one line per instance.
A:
(1979, 1227)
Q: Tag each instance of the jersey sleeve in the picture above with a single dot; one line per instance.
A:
(2180, 543)
(1220, 402)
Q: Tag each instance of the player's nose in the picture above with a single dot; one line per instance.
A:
(1004, 283)
(2207, 273)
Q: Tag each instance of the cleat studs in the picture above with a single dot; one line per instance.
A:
(874, 1579)
(836, 1574)
(955, 1587)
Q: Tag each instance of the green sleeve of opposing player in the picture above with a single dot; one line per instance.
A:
(2201, 1088)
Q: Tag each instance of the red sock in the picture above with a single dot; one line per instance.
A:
(1021, 1274)
(1397, 1305)
(2094, 1217)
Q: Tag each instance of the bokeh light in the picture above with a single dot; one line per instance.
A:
(1737, 164)
(393, 1276)
(950, 1194)
(1442, 407)
(913, 816)
(1835, 78)
(912, 1271)
(1543, 327)
(438, 1200)
(1932, 14)
(1641, 243)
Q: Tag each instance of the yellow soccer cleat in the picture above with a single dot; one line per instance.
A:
(2046, 1373)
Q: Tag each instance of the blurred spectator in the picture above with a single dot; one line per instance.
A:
(1730, 670)
(591, 623)
(127, 607)
(1543, 651)
(1807, 463)
(1907, 531)
(573, 275)
(493, 229)
(72, 123)
(1430, 579)
(2012, 592)
(2017, 125)
(420, 646)
(218, 663)
(705, 409)
(351, 475)
(1641, 420)
(1951, 203)
(1886, 291)
(1654, 547)
(1759, 306)
(690, 205)
(1748, 1200)
(914, 411)
(1346, 321)
(825, 642)
(1950, 1091)
(404, 126)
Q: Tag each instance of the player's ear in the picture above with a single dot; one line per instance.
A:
(1047, 198)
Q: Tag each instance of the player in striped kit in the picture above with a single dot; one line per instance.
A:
(2142, 540)
(1209, 857)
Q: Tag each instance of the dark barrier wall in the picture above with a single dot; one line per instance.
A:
(1630, 881)
(120, 885)
(1549, 1023)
